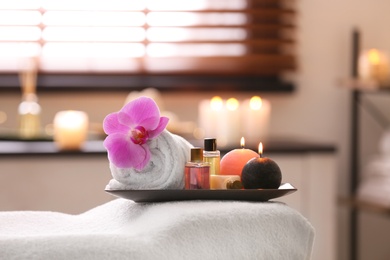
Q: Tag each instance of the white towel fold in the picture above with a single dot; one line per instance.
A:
(165, 170)
(122, 229)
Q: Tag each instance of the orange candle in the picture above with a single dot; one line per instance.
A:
(233, 162)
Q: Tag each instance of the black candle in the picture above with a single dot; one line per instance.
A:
(261, 173)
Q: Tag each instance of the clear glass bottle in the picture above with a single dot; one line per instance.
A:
(211, 155)
(197, 172)
(29, 110)
(29, 117)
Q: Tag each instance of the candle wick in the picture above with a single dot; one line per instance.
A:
(261, 155)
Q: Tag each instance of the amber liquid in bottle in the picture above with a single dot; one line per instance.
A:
(211, 155)
(213, 161)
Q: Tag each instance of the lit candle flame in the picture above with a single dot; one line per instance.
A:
(242, 142)
(261, 149)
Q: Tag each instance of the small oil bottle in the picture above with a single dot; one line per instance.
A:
(211, 155)
(197, 172)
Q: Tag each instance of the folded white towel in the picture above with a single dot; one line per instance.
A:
(122, 229)
(375, 184)
(375, 191)
(165, 170)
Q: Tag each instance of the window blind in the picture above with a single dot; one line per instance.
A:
(218, 37)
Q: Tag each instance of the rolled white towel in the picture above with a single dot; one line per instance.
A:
(165, 170)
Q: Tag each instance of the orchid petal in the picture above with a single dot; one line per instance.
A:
(112, 125)
(150, 123)
(147, 158)
(161, 126)
(141, 111)
(125, 119)
(123, 153)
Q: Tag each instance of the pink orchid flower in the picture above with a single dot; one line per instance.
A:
(129, 130)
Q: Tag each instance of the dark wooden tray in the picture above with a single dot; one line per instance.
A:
(179, 195)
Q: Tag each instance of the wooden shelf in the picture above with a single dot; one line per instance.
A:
(364, 85)
(364, 205)
(95, 147)
(166, 83)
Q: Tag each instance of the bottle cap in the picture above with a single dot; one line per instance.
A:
(210, 144)
(196, 154)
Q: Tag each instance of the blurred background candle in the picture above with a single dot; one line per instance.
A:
(255, 114)
(210, 111)
(374, 66)
(70, 129)
(233, 129)
(219, 118)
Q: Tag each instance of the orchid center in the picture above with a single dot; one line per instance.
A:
(139, 135)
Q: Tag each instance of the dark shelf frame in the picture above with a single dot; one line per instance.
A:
(365, 206)
(356, 105)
